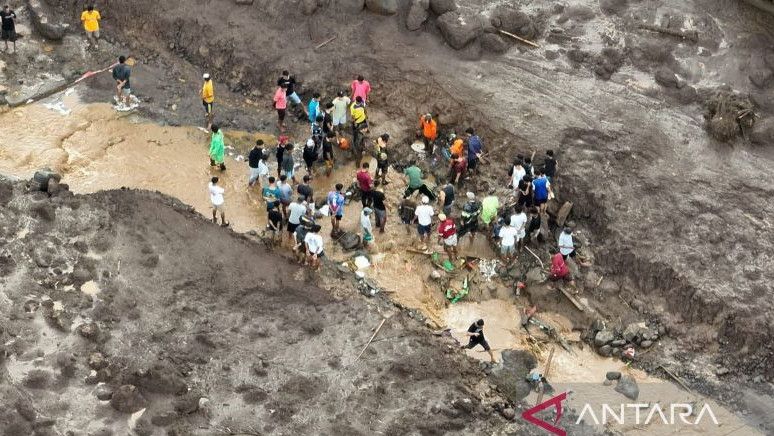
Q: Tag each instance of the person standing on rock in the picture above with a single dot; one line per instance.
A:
(289, 83)
(315, 248)
(208, 98)
(327, 122)
(8, 18)
(340, 105)
(508, 235)
(429, 132)
(457, 168)
(216, 198)
(335, 202)
(447, 235)
(489, 207)
(90, 19)
(121, 74)
(423, 216)
(281, 105)
(517, 172)
(360, 88)
(476, 334)
(217, 148)
(550, 165)
(534, 225)
(470, 213)
(475, 149)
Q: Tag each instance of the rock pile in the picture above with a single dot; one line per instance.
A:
(610, 342)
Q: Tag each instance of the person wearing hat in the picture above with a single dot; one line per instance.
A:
(447, 234)
(470, 213)
(310, 155)
(476, 334)
(365, 225)
(429, 130)
(423, 216)
(208, 98)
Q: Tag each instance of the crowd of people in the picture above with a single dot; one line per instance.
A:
(510, 222)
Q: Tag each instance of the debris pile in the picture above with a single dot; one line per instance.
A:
(623, 343)
(729, 114)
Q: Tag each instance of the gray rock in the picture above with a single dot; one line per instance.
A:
(722, 371)
(42, 178)
(440, 7)
(646, 344)
(493, 43)
(42, 20)
(666, 78)
(535, 276)
(308, 7)
(103, 392)
(508, 413)
(459, 29)
(618, 343)
(349, 6)
(763, 132)
(417, 14)
(514, 21)
(349, 241)
(627, 386)
(613, 6)
(606, 351)
(382, 7)
(128, 399)
(634, 331)
(613, 375)
(604, 337)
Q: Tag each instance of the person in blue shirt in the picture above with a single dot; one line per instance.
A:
(314, 108)
(271, 194)
(474, 148)
(335, 203)
(541, 188)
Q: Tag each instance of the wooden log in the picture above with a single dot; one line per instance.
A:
(518, 38)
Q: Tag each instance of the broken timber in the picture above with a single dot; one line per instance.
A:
(518, 38)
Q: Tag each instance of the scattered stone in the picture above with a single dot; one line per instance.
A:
(535, 276)
(90, 331)
(493, 43)
(508, 413)
(308, 7)
(627, 386)
(613, 375)
(606, 351)
(128, 399)
(646, 344)
(417, 14)
(613, 6)
(604, 337)
(164, 419)
(440, 7)
(103, 392)
(97, 361)
(459, 30)
(666, 78)
(42, 20)
(188, 403)
(634, 331)
(42, 177)
(37, 379)
(26, 410)
(350, 6)
(382, 7)
(618, 343)
(514, 21)
(722, 371)
(349, 241)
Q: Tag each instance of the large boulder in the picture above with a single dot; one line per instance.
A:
(42, 179)
(514, 21)
(627, 386)
(44, 21)
(128, 399)
(350, 6)
(440, 7)
(383, 7)
(460, 29)
(763, 132)
(493, 43)
(417, 14)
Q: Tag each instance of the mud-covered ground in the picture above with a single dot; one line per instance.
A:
(679, 224)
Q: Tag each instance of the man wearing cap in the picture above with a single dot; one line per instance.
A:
(429, 130)
(447, 234)
(470, 212)
(208, 98)
(423, 216)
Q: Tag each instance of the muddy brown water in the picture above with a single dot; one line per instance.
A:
(97, 148)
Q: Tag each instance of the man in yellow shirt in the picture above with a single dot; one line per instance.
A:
(359, 126)
(208, 98)
(90, 19)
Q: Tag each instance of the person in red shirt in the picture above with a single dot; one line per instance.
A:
(559, 268)
(366, 183)
(447, 234)
(457, 168)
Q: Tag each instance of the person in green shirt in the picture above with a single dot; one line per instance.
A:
(489, 206)
(415, 183)
(217, 148)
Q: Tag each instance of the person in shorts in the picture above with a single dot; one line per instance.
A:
(315, 248)
(567, 247)
(216, 198)
(406, 211)
(288, 164)
(121, 74)
(340, 105)
(208, 98)
(281, 105)
(8, 18)
(447, 235)
(382, 165)
(299, 248)
(289, 83)
(286, 194)
(380, 207)
(366, 227)
(541, 189)
(476, 334)
(296, 210)
(423, 216)
(508, 236)
(90, 19)
(275, 222)
(335, 202)
(254, 159)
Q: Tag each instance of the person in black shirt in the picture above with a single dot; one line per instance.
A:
(305, 190)
(380, 208)
(310, 155)
(327, 125)
(534, 225)
(121, 74)
(290, 81)
(253, 159)
(550, 166)
(327, 152)
(274, 227)
(280, 153)
(476, 334)
(9, 26)
(446, 198)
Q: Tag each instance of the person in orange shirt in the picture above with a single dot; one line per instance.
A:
(457, 147)
(90, 19)
(429, 130)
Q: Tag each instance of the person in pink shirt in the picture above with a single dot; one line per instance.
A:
(281, 104)
(361, 88)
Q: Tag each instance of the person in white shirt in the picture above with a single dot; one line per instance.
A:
(519, 221)
(517, 172)
(567, 247)
(296, 210)
(216, 198)
(340, 105)
(508, 242)
(314, 246)
(423, 216)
